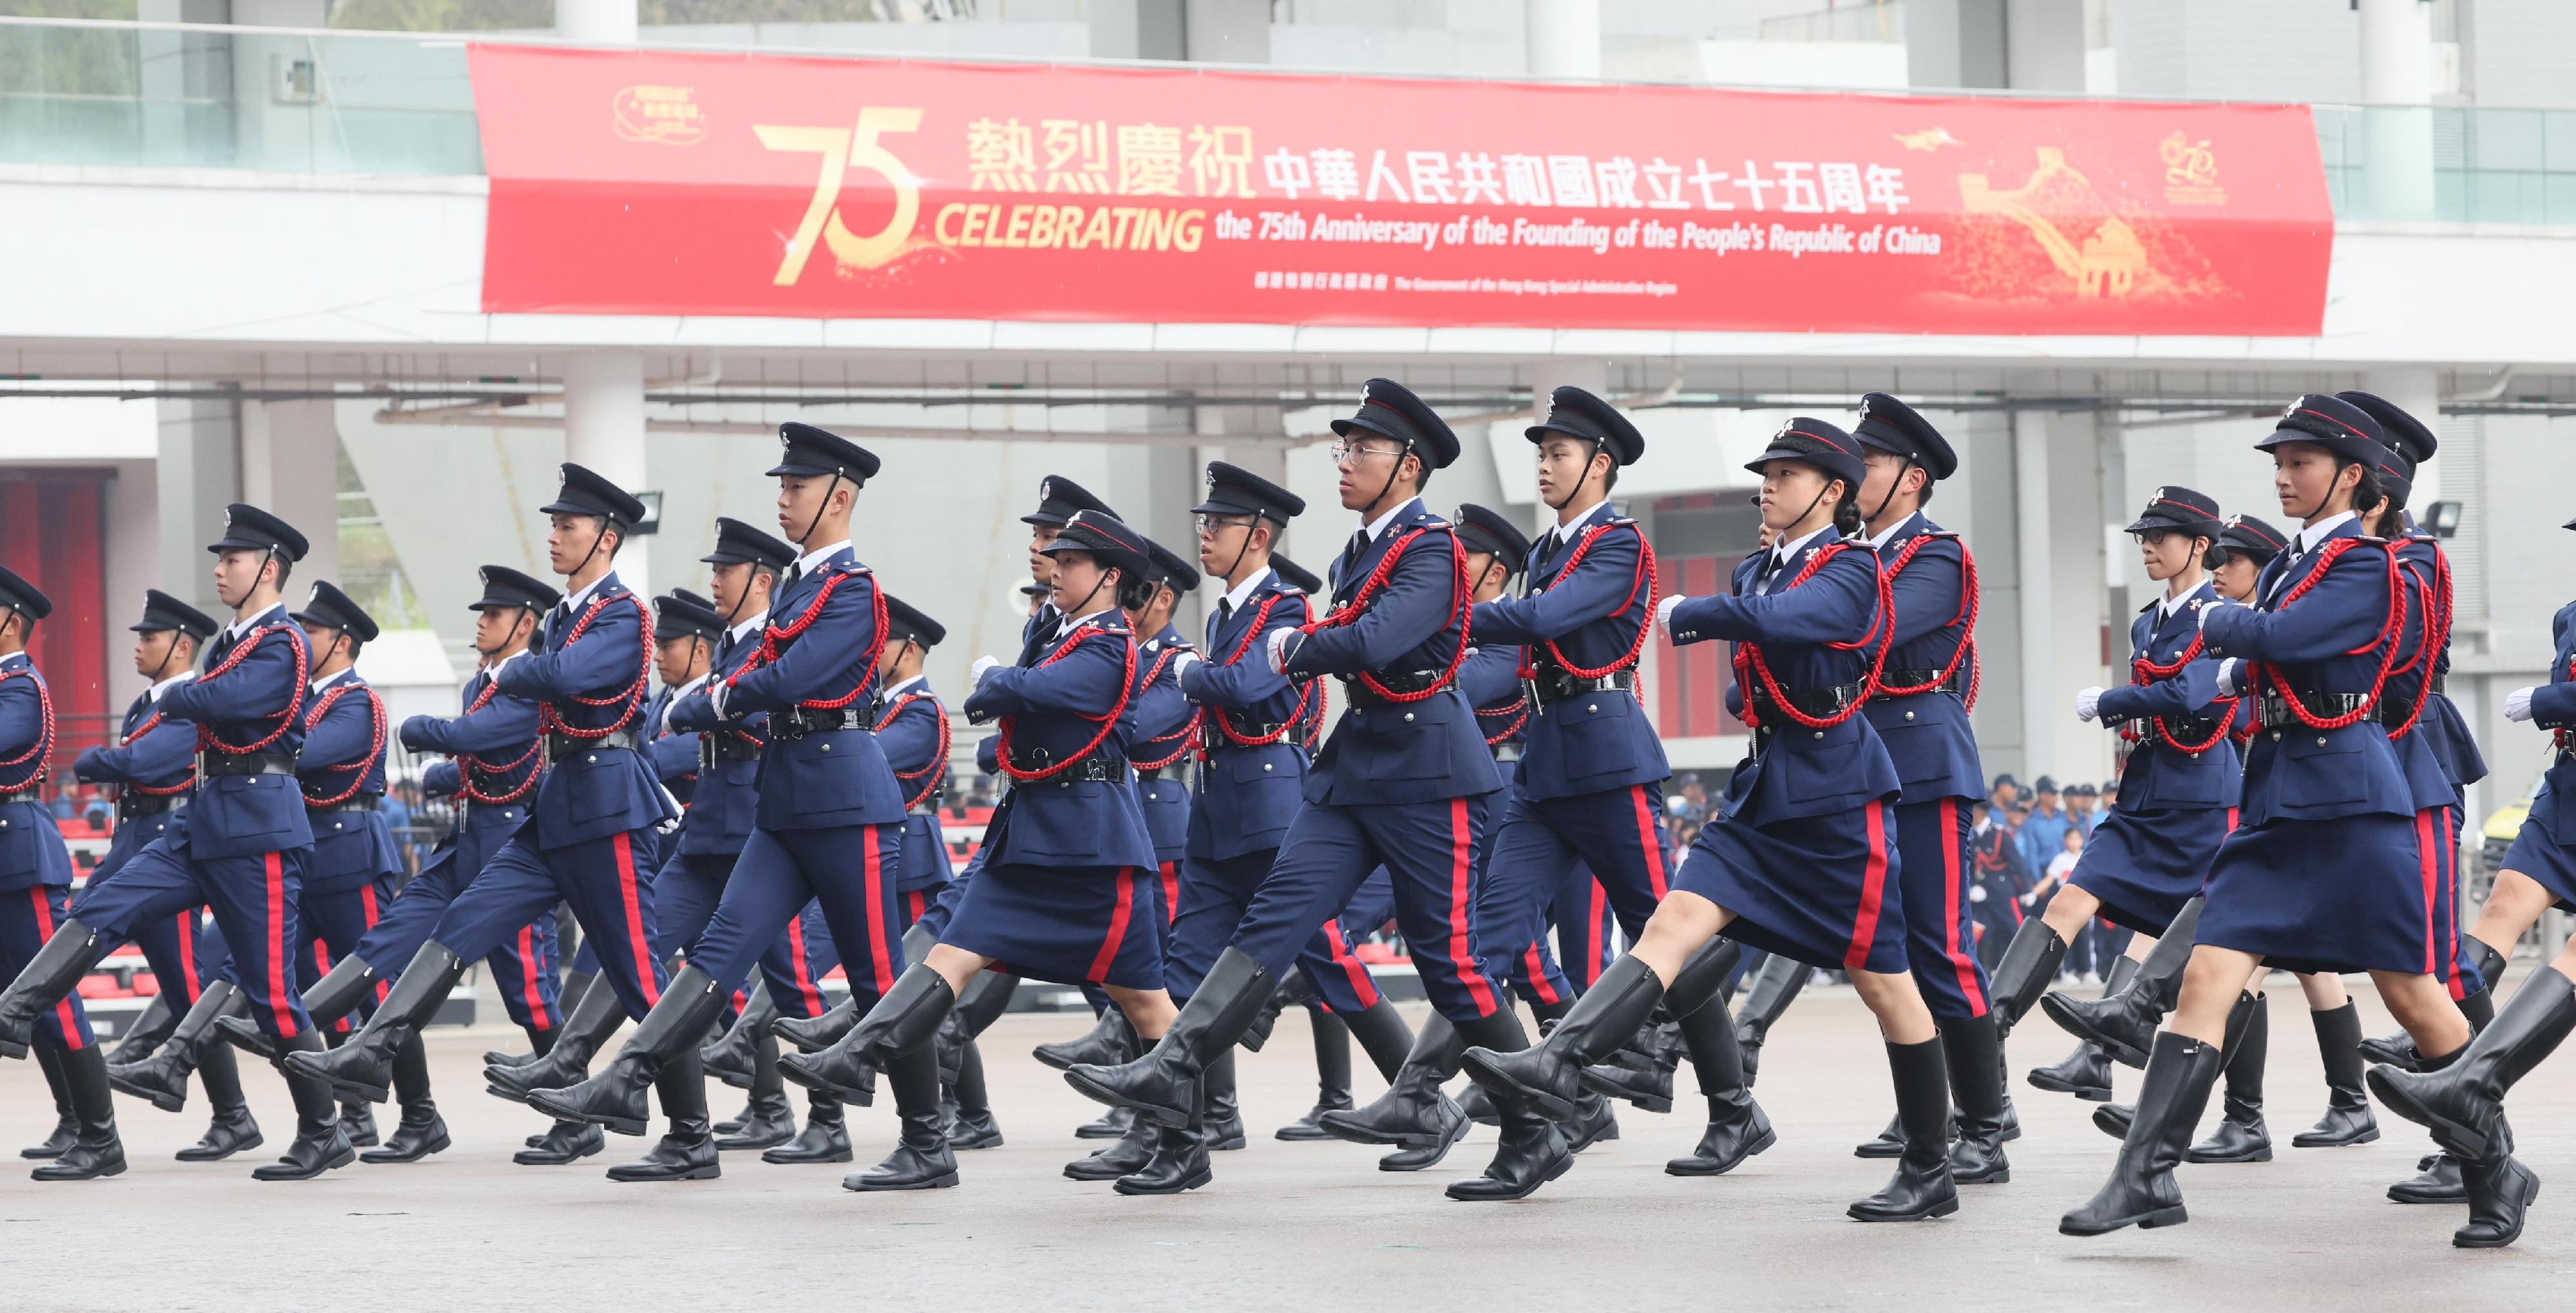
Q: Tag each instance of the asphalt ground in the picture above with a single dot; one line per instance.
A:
(1284, 1225)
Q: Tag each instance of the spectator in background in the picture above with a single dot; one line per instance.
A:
(2004, 793)
(2044, 833)
(1995, 898)
(1696, 794)
(2081, 807)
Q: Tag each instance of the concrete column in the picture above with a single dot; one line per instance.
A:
(598, 22)
(1141, 29)
(2032, 567)
(2419, 392)
(604, 430)
(1226, 31)
(1955, 43)
(2044, 45)
(133, 564)
(2397, 85)
(290, 467)
(1564, 37)
(199, 471)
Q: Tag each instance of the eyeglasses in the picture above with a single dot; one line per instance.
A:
(1212, 523)
(1346, 453)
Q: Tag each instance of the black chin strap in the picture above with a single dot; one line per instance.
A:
(1246, 548)
(595, 540)
(1903, 469)
(1559, 507)
(523, 609)
(1811, 506)
(1077, 608)
(819, 508)
(2328, 495)
(1394, 471)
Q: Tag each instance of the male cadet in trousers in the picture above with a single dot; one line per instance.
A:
(494, 770)
(35, 874)
(584, 840)
(829, 820)
(1403, 782)
(152, 768)
(242, 846)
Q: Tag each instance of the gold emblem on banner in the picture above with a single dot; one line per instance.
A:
(1928, 140)
(2103, 263)
(846, 151)
(2191, 171)
(669, 116)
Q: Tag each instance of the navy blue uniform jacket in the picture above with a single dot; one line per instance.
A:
(501, 733)
(242, 815)
(31, 846)
(2157, 777)
(350, 848)
(916, 749)
(1247, 795)
(1055, 708)
(592, 792)
(1593, 613)
(1159, 719)
(1927, 735)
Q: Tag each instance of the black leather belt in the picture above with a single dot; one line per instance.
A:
(794, 725)
(1094, 769)
(1558, 685)
(364, 802)
(1399, 681)
(2441, 685)
(1215, 739)
(561, 746)
(32, 790)
(1816, 702)
(2275, 713)
(723, 745)
(130, 804)
(247, 763)
(1173, 771)
(1915, 679)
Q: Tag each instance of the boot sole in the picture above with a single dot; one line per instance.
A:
(2449, 1134)
(2088, 1093)
(337, 1161)
(1695, 1166)
(2073, 1024)
(616, 1125)
(116, 1168)
(744, 1146)
(530, 1158)
(192, 1154)
(1942, 1209)
(1548, 1104)
(1611, 1090)
(933, 1183)
(2262, 1155)
(1561, 1167)
(841, 1157)
(1097, 1174)
(707, 1173)
(1088, 1131)
(1877, 1149)
(2305, 1141)
(1194, 1181)
(2454, 1197)
(438, 1145)
(2174, 1216)
(2529, 1197)
(1098, 1093)
(157, 1098)
(1303, 1134)
(1351, 1134)
(1438, 1152)
(2001, 1175)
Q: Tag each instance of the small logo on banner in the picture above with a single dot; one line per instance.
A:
(669, 116)
(2191, 171)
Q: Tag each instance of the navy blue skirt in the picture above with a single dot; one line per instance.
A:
(2350, 894)
(1817, 889)
(1071, 925)
(2145, 865)
(2536, 852)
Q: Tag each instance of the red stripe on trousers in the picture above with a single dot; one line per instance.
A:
(188, 954)
(1171, 891)
(1462, 871)
(44, 932)
(1964, 963)
(367, 900)
(530, 993)
(2432, 882)
(2451, 901)
(1362, 983)
(1594, 912)
(811, 997)
(2231, 820)
(639, 945)
(874, 861)
(1873, 889)
(322, 963)
(1536, 968)
(273, 865)
(1117, 935)
(915, 904)
(1650, 836)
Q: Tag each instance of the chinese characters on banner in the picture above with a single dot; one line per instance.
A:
(667, 183)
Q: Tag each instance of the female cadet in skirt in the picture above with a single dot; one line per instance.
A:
(1068, 890)
(2322, 873)
(1800, 860)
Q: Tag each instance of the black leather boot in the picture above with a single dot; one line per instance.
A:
(1774, 988)
(1922, 1187)
(1413, 1115)
(2141, 1191)
(66, 1121)
(2348, 1118)
(1640, 1072)
(2027, 968)
(2124, 1024)
(970, 1123)
(562, 1144)
(1101, 1044)
(1221, 1114)
(1972, 1054)
(151, 1026)
(665, 1040)
(2499, 1194)
(1594, 1122)
(1532, 1150)
(687, 1149)
(358, 1122)
(1647, 1088)
(52, 974)
(2463, 1102)
(163, 1077)
(95, 1150)
(769, 1120)
(1164, 1084)
(2086, 1072)
(1110, 1125)
(1125, 1156)
(2240, 1136)
(233, 1130)
(921, 1159)
(319, 1145)
(587, 1027)
(421, 1131)
(1888, 1143)
(1292, 992)
(338, 993)
(907, 1018)
(1737, 1129)
(815, 1034)
(825, 1138)
(1179, 1162)
(2398, 1050)
(731, 1057)
(1332, 1077)
(2437, 1181)
(364, 1067)
(1550, 1076)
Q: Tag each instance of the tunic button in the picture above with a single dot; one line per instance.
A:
(2321, 742)
(1909, 715)
(1265, 768)
(1592, 706)
(591, 759)
(1820, 733)
(2276, 736)
(1408, 718)
(827, 747)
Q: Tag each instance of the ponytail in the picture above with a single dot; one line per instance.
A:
(1847, 521)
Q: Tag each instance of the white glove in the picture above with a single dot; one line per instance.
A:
(1976, 893)
(716, 692)
(2088, 702)
(1181, 664)
(2517, 704)
(1277, 649)
(678, 812)
(1664, 613)
(2227, 676)
(2211, 608)
(975, 672)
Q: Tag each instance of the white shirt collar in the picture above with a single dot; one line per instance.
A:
(325, 681)
(688, 688)
(493, 670)
(1877, 541)
(812, 560)
(1565, 532)
(2169, 604)
(748, 627)
(2318, 532)
(577, 601)
(17, 658)
(1236, 597)
(896, 690)
(1068, 624)
(1377, 527)
(1788, 551)
(153, 694)
(240, 627)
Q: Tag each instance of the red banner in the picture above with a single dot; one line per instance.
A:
(665, 183)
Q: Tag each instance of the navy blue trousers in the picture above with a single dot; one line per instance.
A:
(254, 900)
(332, 924)
(1213, 895)
(183, 951)
(28, 918)
(850, 870)
(524, 965)
(609, 886)
(1934, 873)
(1538, 849)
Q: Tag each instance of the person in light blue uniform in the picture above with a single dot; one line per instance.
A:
(1801, 860)
(35, 879)
(1404, 782)
(2322, 873)
(582, 840)
(243, 845)
(153, 767)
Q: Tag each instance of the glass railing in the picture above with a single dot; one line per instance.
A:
(2450, 164)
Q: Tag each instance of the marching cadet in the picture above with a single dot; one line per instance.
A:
(583, 841)
(35, 876)
(1798, 862)
(1404, 782)
(2321, 873)
(242, 847)
(152, 768)
(1067, 890)
(829, 815)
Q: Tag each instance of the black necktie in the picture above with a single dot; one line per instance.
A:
(1351, 554)
(1224, 612)
(724, 648)
(794, 573)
